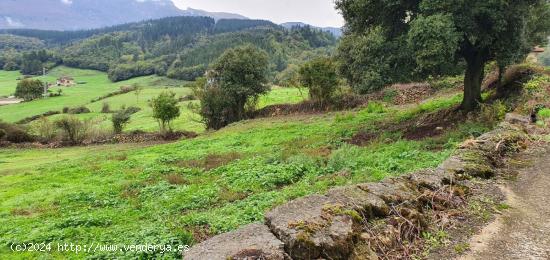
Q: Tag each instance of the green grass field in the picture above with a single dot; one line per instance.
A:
(8, 81)
(182, 192)
(97, 84)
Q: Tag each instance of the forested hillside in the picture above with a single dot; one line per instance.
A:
(177, 47)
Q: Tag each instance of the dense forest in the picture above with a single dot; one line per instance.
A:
(177, 47)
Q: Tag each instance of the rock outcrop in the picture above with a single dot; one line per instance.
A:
(332, 226)
(254, 241)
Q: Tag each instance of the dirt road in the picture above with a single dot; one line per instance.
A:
(523, 231)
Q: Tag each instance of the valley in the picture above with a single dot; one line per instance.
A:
(133, 129)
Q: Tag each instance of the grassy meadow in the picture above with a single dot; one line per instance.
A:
(8, 81)
(183, 192)
(97, 84)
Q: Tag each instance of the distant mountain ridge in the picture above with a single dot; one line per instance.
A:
(90, 14)
(337, 32)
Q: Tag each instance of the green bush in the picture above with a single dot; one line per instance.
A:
(214, 108)
(106, 108)
(2, 133)
(127, 71)
(74, 130)
(491, 114)
(186, 73)
(29, 89)
(375, 107)
(45, 129)
(78, 110)
(119, 120)
(320, 78)
(14, 133)
(165, 110)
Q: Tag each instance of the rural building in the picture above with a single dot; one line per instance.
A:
(65, 81)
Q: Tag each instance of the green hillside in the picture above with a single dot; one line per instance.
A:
(97, 85)
(180, 193)
(177, 47)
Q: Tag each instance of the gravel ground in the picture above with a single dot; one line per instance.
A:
(523, 231)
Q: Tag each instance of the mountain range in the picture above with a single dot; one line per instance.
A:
(93, 14)
(90, 14)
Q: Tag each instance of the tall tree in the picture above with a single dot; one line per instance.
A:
(232, 86)
(443, 33)
(241, 73)
(29, 89)
(165, 110)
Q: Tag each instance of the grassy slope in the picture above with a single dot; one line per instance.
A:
(98, 85)
(8, 80)
(124, 195)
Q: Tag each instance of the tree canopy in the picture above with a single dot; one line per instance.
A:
(434, 37)
(29, 89)
(165, 110)
(320, 78)
(234, 82)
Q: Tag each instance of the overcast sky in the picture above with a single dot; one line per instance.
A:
(314, 12)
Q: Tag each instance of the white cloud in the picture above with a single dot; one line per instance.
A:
(67, 2)
(12, 23)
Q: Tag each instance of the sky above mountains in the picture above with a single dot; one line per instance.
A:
(316, 12)
(88, 14)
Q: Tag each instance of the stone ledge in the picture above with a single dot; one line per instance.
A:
(254, 241)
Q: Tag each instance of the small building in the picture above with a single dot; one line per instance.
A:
(65, 81)
(538, 50)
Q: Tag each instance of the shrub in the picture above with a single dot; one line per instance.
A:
(65, 110)
(320, 78)
(74, 130)
(126, 71)
(376, 108)
(29, 89)
(288, 77)
(79, 110)
(14, 133)
(493, 113)
(122, 90)
(105, 109)
(2, 133)
(45, 129)
(186, 73)
(165, 110)
(132, 110)
(214, 108)
(58, 93)
(121, 118)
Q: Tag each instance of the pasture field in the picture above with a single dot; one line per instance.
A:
(97, 84)
(8, 81)
(183, 192)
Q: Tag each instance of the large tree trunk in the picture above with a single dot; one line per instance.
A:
(472, 81)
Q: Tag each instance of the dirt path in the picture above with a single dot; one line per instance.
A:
(523, 231)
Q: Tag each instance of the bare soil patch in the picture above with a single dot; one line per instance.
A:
(9, 101)
(209, 162)
(426, 126)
